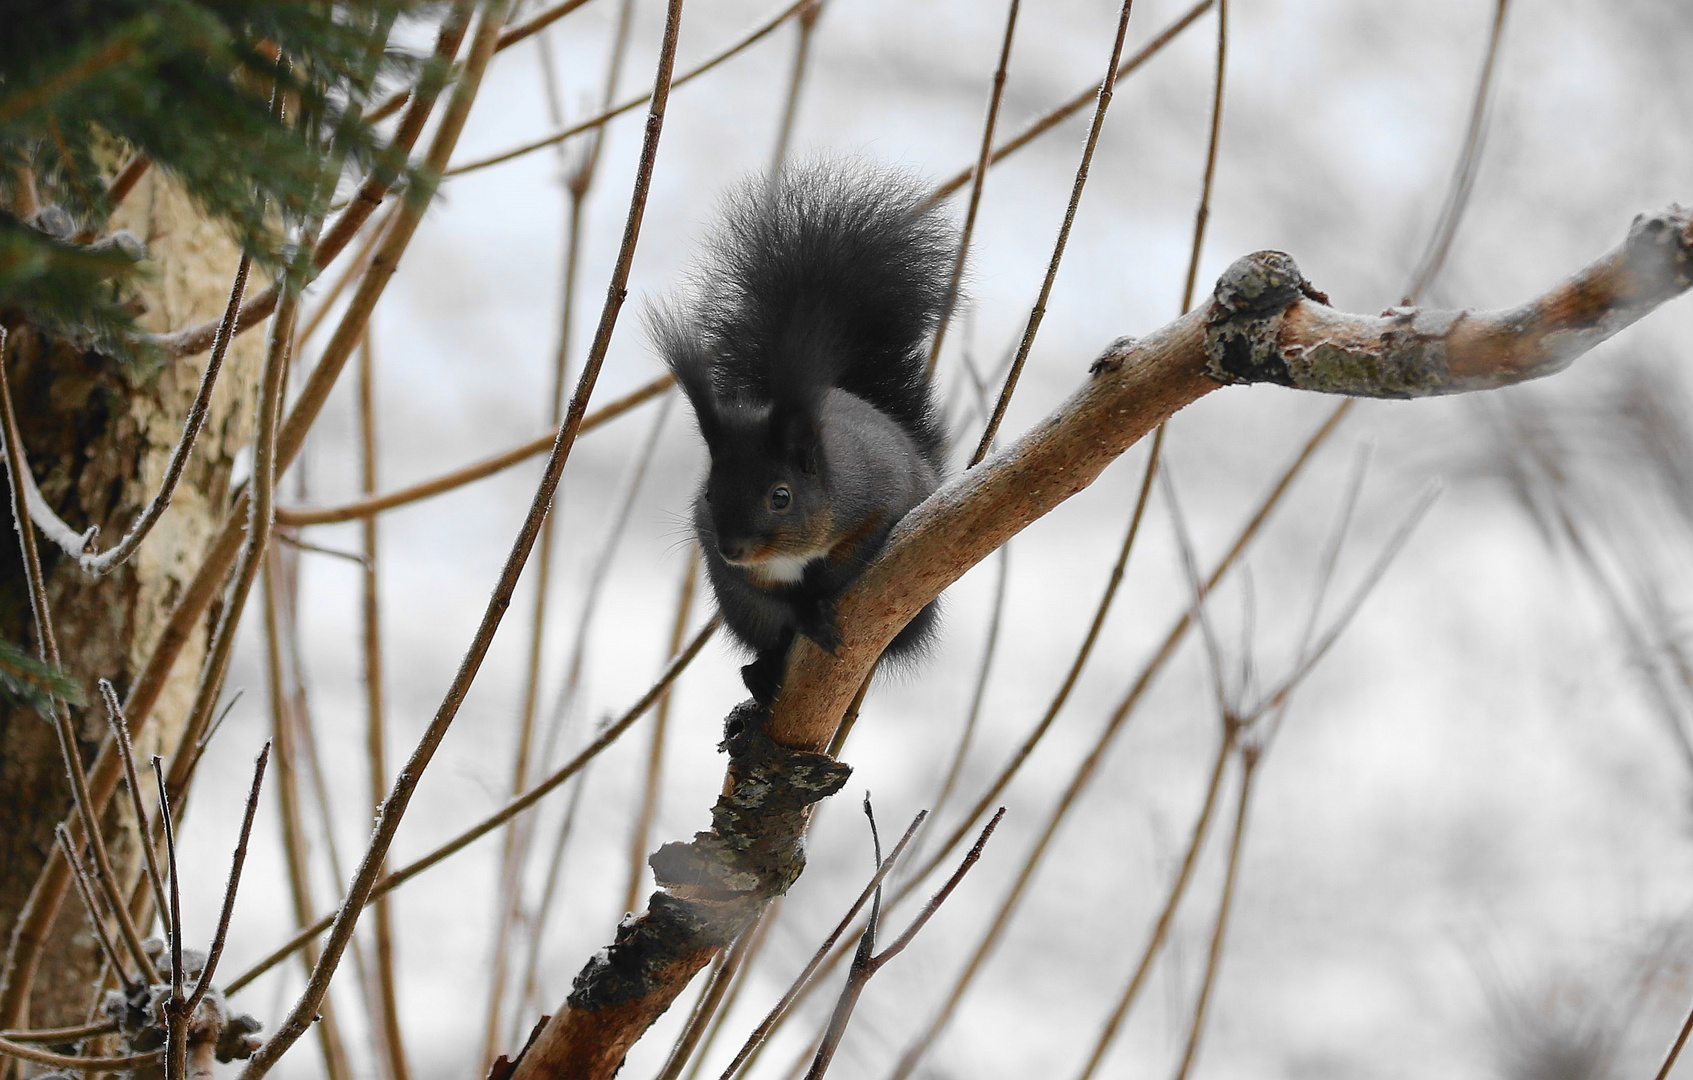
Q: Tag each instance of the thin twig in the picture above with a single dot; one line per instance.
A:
(516, 851)
(1172, 901)
(1038, 312)
(966, 737)
(68, 1061)
(61, 1035)
(1052, 119)
(1464, 174)
(760, 936)
(296, 516)
(1214, 957)
(1062, 695)
(871, 888)
(305, 1009)
(48, 649)
(215, 953)
(512, 35)
(865, 965)
(104, 562)
(979, 175)
(505, 814)
(1089, 765)
(286, 733)
(806, 22)
(1675, 1048)
(85, 890)
(356, 267)
(1203, 215)
(125, 180)
(547, 905)
(610, 546)
(126, 750)
(176, 1049)
(711, 1000)
(634, 103)
(376, 754)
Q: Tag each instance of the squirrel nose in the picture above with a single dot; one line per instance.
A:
(731, 549)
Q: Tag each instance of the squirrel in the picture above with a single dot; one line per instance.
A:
(802, 348)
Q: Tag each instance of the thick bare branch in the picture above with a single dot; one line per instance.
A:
(1264, 323)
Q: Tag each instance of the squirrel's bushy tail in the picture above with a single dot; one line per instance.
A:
(833, 276)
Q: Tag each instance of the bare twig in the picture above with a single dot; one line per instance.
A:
(517, 806)
(1089, 765)
(221, 935)
(804, 977)
(594, 122)
(978, 176)
(966, 737)
(17, 470)
(85, 890)
(125, 180)
(371, 193)
(311, 398)
(512, 35)
(865, 964)
(176, 1048)
(1062, 695)
(295, 516)
(286, 733)
(806, 22)
(104, 562)
(1464, 174)
(68, 1061)
(710, 1002)
(1675, 1048)
(376, 754)
(760, 936)
(120, 731)
(1172, 901)
(1213, 960)
(1038, 312)
(516, 851)
(597, 577)
(1203, 214)
(61, 1035)
(1057, 116)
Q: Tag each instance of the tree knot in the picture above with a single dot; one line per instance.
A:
(1246, 313)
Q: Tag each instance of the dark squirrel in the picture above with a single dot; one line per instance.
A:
(802, 348)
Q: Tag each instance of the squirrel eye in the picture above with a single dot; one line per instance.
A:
(780, 497)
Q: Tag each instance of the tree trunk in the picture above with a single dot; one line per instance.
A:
(97, 439)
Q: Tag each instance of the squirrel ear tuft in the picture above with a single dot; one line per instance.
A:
(798, 438)
(688, 359)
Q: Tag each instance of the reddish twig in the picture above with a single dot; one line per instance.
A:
(1038, 312)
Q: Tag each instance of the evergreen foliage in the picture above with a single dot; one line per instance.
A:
(254, 106)
(24, 680)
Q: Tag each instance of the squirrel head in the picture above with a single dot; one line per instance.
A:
(766, 498)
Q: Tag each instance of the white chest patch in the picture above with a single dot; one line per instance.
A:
(781, 569)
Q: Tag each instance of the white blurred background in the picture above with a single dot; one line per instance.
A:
(1470, 851)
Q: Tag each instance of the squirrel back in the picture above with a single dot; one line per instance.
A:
(802, 348)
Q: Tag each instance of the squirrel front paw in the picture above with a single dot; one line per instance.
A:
(763, 677)
(817, 622)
